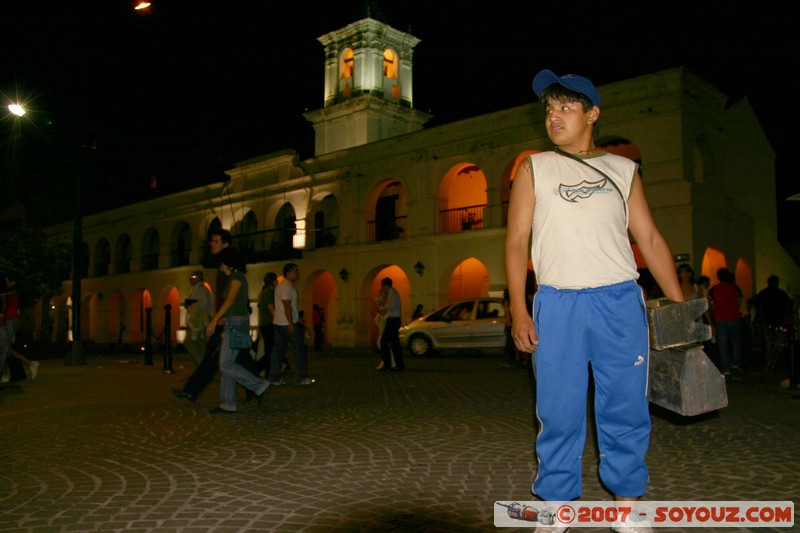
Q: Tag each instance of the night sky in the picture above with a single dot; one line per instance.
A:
(190, 88)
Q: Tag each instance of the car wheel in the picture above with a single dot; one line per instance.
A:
(420, 345)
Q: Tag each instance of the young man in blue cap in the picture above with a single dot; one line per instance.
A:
(589, 309)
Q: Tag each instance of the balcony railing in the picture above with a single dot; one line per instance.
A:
(461, 218)
(387, 230)
(325, 237)
(260, 247)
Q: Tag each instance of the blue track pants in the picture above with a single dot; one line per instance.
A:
(605, 327)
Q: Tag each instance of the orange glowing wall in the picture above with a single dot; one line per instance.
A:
(470, 279)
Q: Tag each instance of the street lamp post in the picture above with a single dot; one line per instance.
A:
(77, 353)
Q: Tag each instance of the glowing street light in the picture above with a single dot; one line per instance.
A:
(16, 109)
(139, 5)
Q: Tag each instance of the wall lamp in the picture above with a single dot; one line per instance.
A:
(344, 274)
(419, 268)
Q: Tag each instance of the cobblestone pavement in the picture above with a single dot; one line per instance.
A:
(106, 447)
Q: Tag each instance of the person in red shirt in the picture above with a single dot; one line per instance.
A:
(10, 321)
(726, 300)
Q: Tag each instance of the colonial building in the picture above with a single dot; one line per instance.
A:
(427, 207)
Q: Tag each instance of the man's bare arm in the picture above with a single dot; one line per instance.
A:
(520, 217)
(651, 243)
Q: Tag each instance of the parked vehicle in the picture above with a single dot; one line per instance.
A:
(477, 323)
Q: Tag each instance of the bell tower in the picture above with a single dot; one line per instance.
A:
(368, 87)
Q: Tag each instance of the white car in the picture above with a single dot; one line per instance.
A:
(475, 324)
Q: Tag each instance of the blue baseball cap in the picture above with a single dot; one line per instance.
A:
(573, 82)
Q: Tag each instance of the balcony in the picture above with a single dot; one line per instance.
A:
(260, 247)
(461, 218)
(389, 229)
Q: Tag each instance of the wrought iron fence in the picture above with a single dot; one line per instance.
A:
(389, 229)
(461, 218)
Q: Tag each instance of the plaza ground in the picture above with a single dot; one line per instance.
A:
(107, 447)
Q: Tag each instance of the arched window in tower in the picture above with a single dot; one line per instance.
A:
(390, 64)
(391, 70)
(346, 68)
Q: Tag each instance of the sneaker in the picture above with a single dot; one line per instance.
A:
(277, 383)
(34, 369)
(307, 381)
(632, 527)
(380, 366)
(6, 376)
(185, 395)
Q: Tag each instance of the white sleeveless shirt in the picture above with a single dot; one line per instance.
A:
(580, 221)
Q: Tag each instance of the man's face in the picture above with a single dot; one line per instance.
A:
(216, 245)
(293, 275)
(567, 122)
(194, 280)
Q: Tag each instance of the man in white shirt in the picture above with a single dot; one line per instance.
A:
(287, 330)
(198, 309)
(390, 340)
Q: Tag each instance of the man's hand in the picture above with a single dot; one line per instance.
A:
(524, 334)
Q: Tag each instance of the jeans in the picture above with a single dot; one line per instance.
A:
(195, 344)
(390, 344)
(729, 340)
(205, 371)
(283, 338)
(267, 338)
(232, 372)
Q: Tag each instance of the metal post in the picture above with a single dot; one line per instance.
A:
(77, 353)
(167, 340)
(148, 332)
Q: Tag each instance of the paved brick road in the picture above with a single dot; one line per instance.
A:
(106, 447)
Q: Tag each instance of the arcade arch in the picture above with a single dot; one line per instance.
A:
(387, 212)
(116, 316)
(320, 289)
(469, 279)
(151, 246)
(367, 330)
(462, 198)
(102, 257)
(326, 223)
(180, 245)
